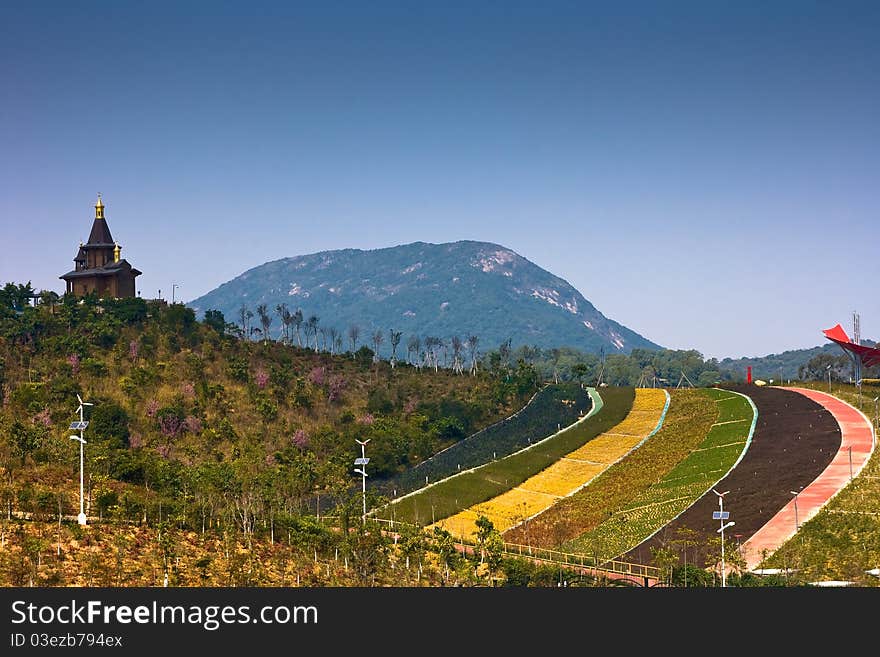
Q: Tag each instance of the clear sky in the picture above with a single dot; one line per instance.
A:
(704, 172)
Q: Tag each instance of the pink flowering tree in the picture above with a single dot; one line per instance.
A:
(192, 424)
(42, 418)
(337, 386)
(300, 439)
(261, 378)
(73, 361)
(316, 376)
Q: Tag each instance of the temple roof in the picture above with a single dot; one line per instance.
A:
(100, 235)
(110, 269)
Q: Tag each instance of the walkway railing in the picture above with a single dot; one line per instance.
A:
(611, 566)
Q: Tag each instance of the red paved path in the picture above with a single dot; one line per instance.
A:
(856, 432)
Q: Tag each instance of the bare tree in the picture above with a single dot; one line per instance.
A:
(248, 317)
(337, 342)
(456, 354)
(432, 351)
(284, 315)
(333, 332)
(395, 340)
(324, 333)
(378, 339)
(242, 318)
(413, 345)
(354, 332)
(471, 342)
(504, 352)
(297, 320)
(312, 326)
(265, 320)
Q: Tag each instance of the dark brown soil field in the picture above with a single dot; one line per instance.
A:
(794, 440)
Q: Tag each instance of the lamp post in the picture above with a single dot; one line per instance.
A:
(362, 470)
(850, 462)
(828, 369)
(81, 426)
(174, 287)
(722, 515)
(797, 525)
(876, 415)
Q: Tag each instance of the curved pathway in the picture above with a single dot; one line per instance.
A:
(857, 438)
(795, 439)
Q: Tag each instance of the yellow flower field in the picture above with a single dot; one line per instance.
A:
(569, 473)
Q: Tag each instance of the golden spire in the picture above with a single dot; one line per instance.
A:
(99, 208)
(116, 251)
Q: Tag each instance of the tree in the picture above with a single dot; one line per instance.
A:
(485, 527)
(456, 354)
(378, 339)
(472, 349)
(25, 439)
(49, 298)
(297, 320)
(248, 317)
(333, 332)
(312, 327)
(242, 318)
(216, 320)
(395, 340)
(413, 346)
(284, 315)
(354, 332)
(265, 320)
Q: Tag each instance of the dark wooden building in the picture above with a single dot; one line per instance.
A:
(98, 266)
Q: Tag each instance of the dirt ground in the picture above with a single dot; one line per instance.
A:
(794, 440)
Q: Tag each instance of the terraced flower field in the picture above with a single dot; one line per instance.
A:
(690, 416)
(461, 491)
(662, 501)
(569, 473)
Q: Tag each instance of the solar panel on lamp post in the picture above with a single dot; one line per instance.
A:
(722, 515)
(828, 369)
(362, 462)
(797, 525)
(81, 426)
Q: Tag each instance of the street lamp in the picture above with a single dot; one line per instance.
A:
(81, 427)
(174, 287)
(797, 525)
(722, 515)
(362, 470)
(828, 369)
(876, 415)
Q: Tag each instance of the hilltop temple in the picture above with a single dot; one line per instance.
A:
(98, 265)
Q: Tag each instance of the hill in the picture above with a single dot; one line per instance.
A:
(797, 364)
(458, 289)
(185, 406)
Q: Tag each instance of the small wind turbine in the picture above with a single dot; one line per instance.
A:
(362, 462)
(81, 427)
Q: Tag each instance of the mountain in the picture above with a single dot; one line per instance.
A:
(458, 288)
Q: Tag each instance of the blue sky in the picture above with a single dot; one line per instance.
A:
(703, 172)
